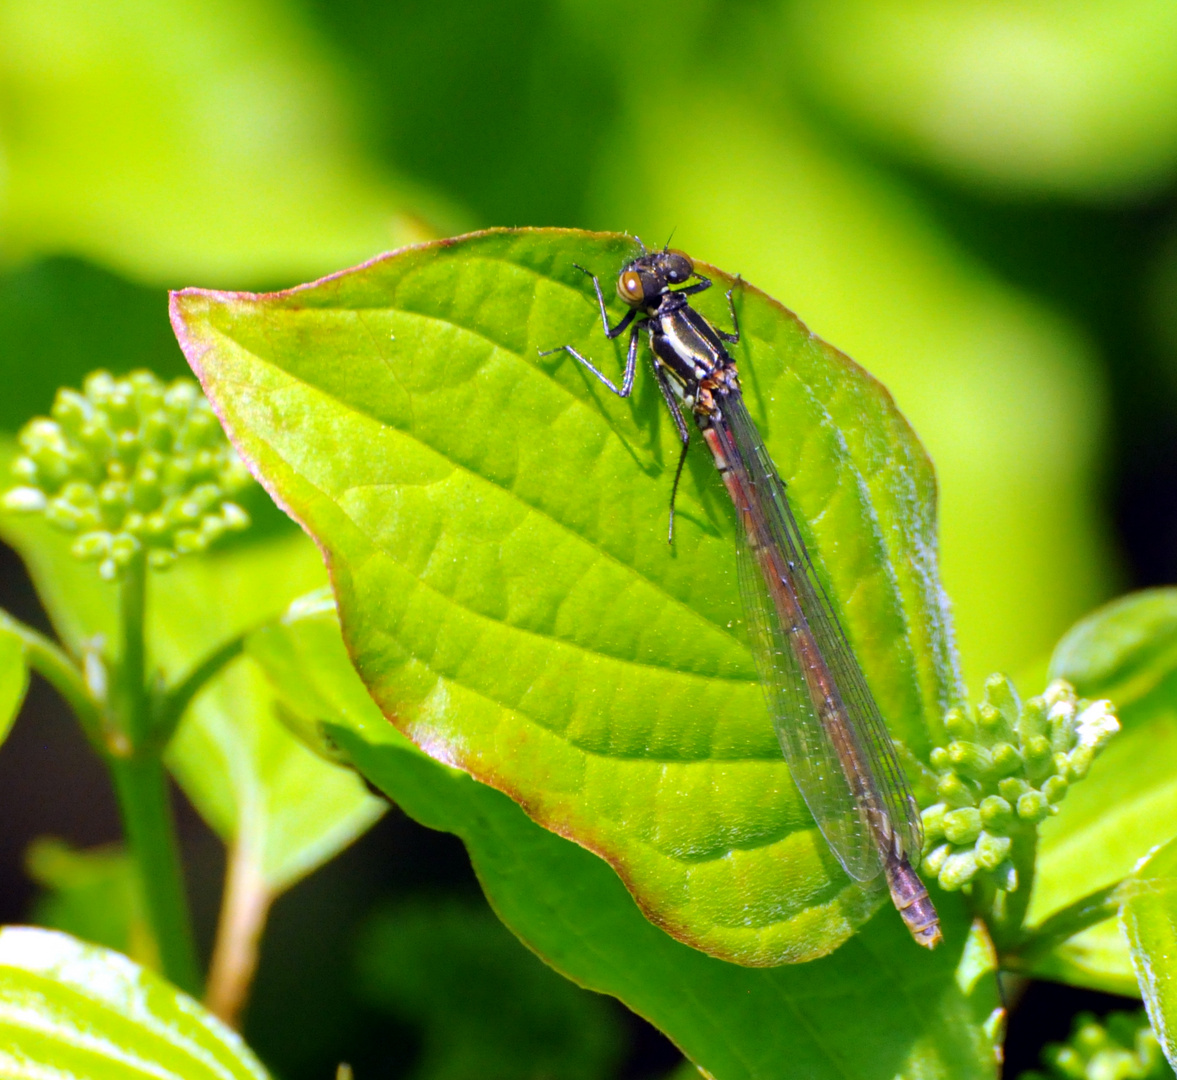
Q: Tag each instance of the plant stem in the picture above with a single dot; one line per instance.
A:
(142, 788)
(133, 705)
(244, 908)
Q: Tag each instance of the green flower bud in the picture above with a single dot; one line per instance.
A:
(970, 759)
(1012, 788)
(934, 821)
(1055, 789)
(934, 860)
(23, 500)
(958, 870)
(962, 826)
(953, 790)
(996, 813)
(991, 850)
(1033, 806)
(1006, 759)
(1005, 770)
(1036, 751)
(133, 459)
(92, 545)
(959, 724)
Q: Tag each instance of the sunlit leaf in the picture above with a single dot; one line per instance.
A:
(877, 1007)
(1128, 803)
(1149, 916)
(495, 525)
(70, 1010)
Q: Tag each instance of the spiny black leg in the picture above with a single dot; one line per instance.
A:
(733, 337)
(702, 285)
(630, 363)
(684, 433)
(625, 320)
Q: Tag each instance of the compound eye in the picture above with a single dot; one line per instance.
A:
(678, 267)
(629, 287)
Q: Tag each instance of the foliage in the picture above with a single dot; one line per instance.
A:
(968, 197)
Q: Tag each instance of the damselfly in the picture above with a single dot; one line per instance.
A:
(833, 737)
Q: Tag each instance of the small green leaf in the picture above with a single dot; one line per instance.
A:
(1126, 651)
(14, 679)
(90, 894)
(878, 1004)
(486, 1005)
(495, 525)
(1149, 916)
(1122, 651)
(70, 1010)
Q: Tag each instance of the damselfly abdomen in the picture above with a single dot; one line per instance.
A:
(833, 737)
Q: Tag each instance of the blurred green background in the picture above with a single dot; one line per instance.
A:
(976, 199)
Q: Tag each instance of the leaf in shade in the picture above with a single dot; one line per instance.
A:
(70, 1010)
(91, 894)
(495, 526)
(1149, 917)
(485, 1004)
(1127, 805)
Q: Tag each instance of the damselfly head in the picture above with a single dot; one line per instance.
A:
(647, 278)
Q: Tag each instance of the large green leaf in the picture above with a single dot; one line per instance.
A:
(251, 780)
(495, 526)
(1126, 651)
(877, 1008)
(69, 1010)
(1149, 916)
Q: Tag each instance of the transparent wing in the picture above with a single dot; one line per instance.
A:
(838, 749)
(811, 755)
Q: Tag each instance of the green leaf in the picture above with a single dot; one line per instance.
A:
(488, 1007)
(14, 679)
(120, 143)
(91, 894)
(1122, 651)
(495, 525)
(1149, 916)
(72, 1010)
(251, 780)
(1127, 805)
(877, 1006)
(255, 783)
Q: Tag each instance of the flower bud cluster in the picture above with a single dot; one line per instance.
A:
(1006, 769)
(132, 466)
(1126, 1048)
